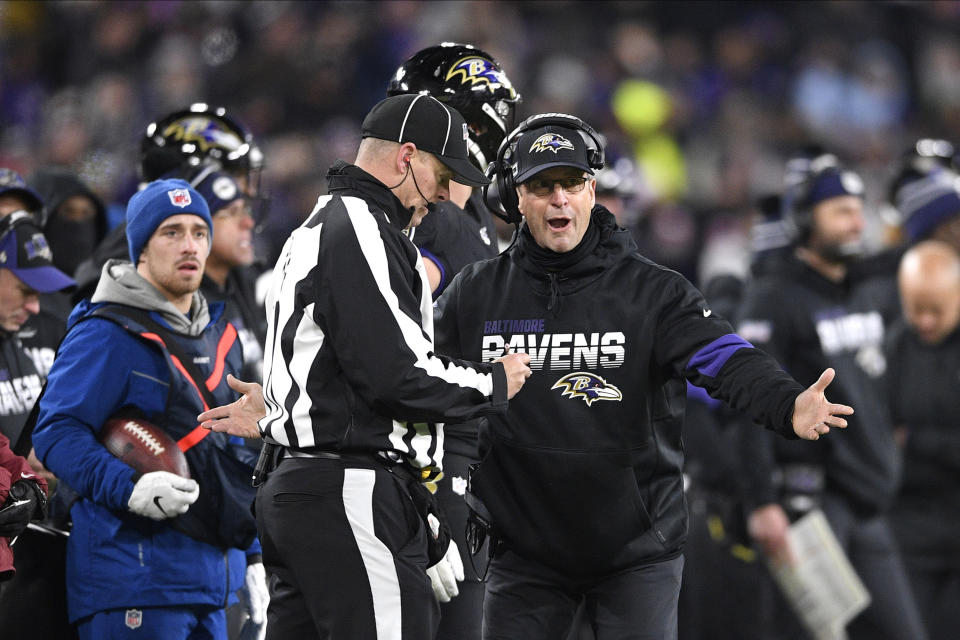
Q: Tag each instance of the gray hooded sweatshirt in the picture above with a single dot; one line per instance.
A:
(121, 284)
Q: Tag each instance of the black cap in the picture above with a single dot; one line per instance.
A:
(429, 124)
(549, 146)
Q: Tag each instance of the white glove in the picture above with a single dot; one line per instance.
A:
(255, 595)
(445, 574)
(160, 495)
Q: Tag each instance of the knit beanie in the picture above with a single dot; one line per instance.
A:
(926, 202)
(155, 203)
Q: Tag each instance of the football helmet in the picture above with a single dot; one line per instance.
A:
(472, 82)
(200, 134)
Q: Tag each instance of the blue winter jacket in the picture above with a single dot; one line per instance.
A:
(116, 558)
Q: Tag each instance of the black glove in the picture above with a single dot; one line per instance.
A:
(24, 503)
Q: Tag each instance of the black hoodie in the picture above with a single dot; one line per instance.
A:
(809, 323)
(583, 473)
(71, 242)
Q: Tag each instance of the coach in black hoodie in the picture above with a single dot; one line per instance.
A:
(811, 313)
(581, 478)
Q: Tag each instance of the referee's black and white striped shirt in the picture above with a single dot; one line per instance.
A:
(349, 363)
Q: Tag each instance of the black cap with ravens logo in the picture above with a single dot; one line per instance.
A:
(24, 250)
(429, 124)
(546, 147)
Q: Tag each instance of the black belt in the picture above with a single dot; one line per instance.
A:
(296, 453)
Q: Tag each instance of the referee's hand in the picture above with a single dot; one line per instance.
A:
(515, 365)
(238, 418)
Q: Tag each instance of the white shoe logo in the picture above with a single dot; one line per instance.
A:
(707, 312)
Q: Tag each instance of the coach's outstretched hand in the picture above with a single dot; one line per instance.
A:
(813, 415)
(238, 418)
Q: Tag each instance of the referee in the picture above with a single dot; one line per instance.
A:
(355, 394)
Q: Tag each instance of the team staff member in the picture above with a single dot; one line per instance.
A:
(353, 385)
(131, 571)
(923, 356)
(26, 270)
(809, 315)
(581, 480)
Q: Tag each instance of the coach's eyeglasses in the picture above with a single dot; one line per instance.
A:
(541, 187)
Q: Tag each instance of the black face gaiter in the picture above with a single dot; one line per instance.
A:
(71, 242)
(552, 261)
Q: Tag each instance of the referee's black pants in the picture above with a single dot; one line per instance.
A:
(346, 554)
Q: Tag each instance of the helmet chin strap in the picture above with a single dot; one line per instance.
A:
(493, 115)
(473, 149)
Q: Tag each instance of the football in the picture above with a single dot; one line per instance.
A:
(144, 446)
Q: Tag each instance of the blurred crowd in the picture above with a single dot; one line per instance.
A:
(705, 99)
(702, 106)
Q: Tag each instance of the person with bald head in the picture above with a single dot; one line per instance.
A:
(923, 375)
(929, 282)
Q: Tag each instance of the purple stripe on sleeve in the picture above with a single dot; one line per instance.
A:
(711, 358)
(435, 260)
(699, 394)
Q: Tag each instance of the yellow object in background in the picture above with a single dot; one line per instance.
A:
(643, 110)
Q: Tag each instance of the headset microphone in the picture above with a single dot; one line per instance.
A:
(431, 206)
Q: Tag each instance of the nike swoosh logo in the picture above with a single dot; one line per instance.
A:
(27, 475)
(156, 501)
(707, 312)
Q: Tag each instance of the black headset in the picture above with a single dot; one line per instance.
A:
(500, 195)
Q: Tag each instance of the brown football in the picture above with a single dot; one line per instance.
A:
(144, 446)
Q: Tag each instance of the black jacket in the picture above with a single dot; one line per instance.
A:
(350, 363)
(583, 473)
(20, 386)
(453, 237)
(810, 323)
(921, 385)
